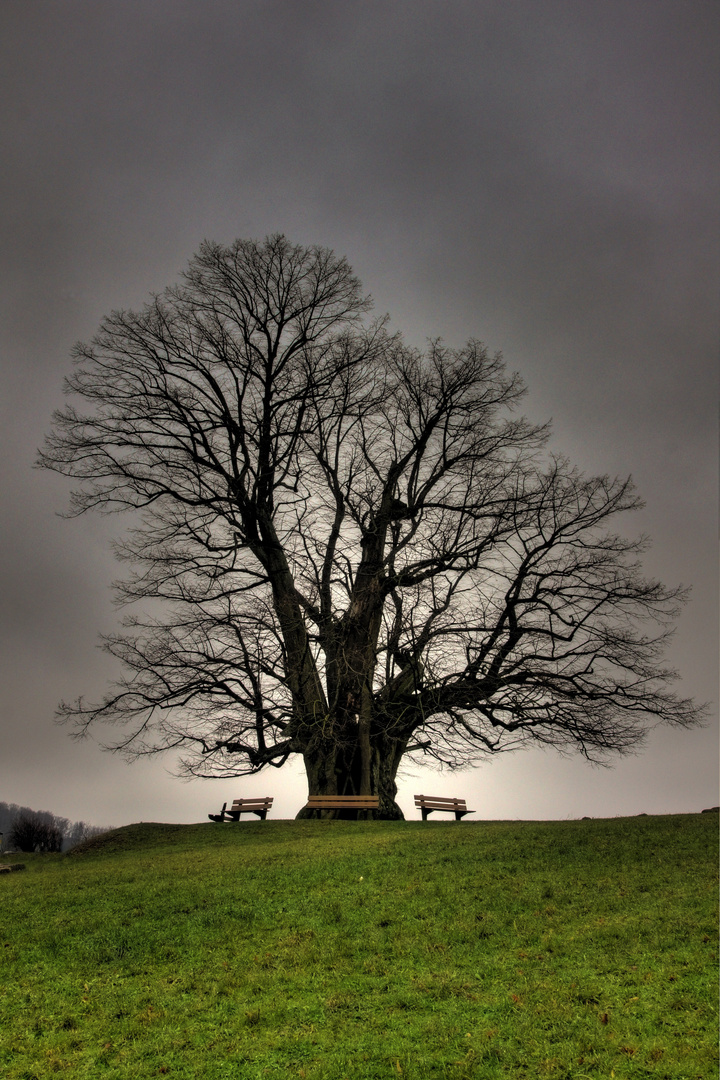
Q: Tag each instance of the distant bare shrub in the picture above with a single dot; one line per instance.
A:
(34, 832)
(81, 831)
(38, 830)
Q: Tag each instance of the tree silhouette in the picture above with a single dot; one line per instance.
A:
(361, 552)
(32, 831)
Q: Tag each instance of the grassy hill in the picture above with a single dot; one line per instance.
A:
(341, 950)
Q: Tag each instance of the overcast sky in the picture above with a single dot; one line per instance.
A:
(541, 174)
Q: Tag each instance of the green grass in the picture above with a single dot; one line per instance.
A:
(341, 950)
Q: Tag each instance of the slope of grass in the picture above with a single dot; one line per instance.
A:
(331, 950)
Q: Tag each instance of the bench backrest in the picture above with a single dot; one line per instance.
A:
(252, 804)
(356, 802)
(430, 802)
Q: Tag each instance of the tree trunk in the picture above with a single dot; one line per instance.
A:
(343, 768)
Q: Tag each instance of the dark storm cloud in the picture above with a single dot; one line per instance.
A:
(540, 175)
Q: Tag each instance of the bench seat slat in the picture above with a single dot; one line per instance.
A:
(339, 802)
(442, 805)
(437, 799)
(343, 798)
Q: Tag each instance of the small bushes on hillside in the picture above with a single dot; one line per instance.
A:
(33, 832)
(39, 830)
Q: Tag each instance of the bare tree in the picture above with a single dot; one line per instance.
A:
(80, 831)
(29, 821)
(41, 831)
(359, 550)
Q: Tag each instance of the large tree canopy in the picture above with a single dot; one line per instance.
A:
(359, 550)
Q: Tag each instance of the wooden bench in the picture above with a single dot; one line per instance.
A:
(342, 802)
(428, 804)
(244, 806)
